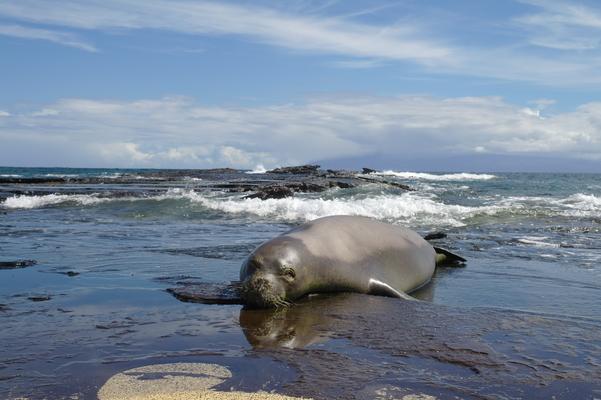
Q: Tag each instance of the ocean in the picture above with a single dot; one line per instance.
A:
(108, 242)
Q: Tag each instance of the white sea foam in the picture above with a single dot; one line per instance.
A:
(28, 202)
(10, 176)
(61, 175)
(537, 241)
(408, 208)
(576, 205)
(114, 175)
(463, 176)
(259, 169)
(583, 205)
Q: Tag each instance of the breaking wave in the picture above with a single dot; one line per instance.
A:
(259, 169)
(28, 202)
(407, 208)
(413, 207)
(463, 176)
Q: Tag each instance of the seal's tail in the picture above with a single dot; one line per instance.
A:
(447, 259)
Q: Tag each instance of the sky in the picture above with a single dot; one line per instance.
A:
(426, 84)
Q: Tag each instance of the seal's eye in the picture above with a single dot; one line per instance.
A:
(288, 272)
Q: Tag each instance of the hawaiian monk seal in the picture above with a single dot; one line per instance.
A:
(339, 254)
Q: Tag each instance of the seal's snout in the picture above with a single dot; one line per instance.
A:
(261, 284)
(259, 291)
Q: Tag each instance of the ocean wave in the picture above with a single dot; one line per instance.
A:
(259, 169)
(10, 176)
(61, 175)
(576, 205)
(537, 241)
(411, 208)
(585, 205)
(406, 208)
(463, 176)
(114, 175)
(29, 202)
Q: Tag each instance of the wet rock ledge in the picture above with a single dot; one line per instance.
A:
(274, 184)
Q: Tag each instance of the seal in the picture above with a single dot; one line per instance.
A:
(339, 254)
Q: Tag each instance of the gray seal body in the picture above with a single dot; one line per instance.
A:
(337, 254)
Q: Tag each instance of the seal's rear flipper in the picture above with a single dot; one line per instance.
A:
(379, 288)
(445, 258)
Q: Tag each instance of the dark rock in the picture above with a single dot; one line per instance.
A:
(32, 180)
(368, 170)
(70, 273)
(208, 293)
(342, 185)
(17, 264)
(308, 187)
(271, 192)
(384, 182)
(435, 235)
(39, 298)
(299, 169)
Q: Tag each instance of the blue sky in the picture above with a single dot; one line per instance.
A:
(203, 84)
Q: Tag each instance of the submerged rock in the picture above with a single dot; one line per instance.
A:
(271, 192)
(299, 169)
(38, 298)
(17, 264)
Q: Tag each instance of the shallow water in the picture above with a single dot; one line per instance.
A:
(532, 242)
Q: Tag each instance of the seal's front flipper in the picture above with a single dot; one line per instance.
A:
(208, 293)
(447, 259)
(379, 288)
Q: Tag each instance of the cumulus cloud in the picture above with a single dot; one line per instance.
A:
(179, 132)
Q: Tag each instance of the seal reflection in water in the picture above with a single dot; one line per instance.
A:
(311, 321)
(339, 254)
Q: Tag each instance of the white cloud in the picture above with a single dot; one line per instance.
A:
(420, 39)
(4, 114)
(563, 25)
(298, 32)
(44, 112)
(64, 38)
(178, 132)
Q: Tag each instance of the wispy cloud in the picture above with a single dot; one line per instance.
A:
(563, 25)
(178, 132)
(64, 38)
(297, 32)
(558, 31)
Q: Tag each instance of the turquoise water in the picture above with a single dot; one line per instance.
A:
(533, 244)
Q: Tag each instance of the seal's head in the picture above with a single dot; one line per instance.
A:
(271, 275)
